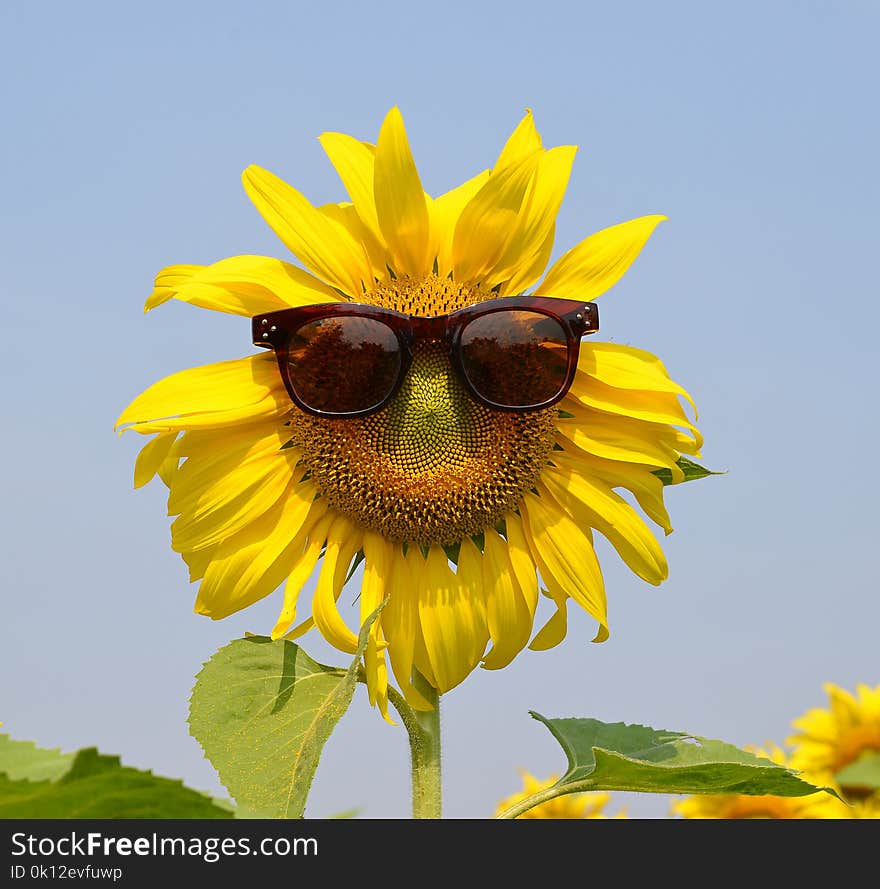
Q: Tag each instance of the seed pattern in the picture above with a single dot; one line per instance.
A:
(427, 296)
(433, 467)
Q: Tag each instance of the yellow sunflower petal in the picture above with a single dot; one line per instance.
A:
(654, 407)
(320, 243)
(521, 561)
(625, 367)
(400, 618)
(869, 700)
(417, 569)
(445, 211)
(614, 435)
(304, 559)
(151, 457)
(400, 199)
(565, 557)
(525, 140)
(487, 221)
(844, 706)
(553, 632)
(240, 285)
(828, 739)
(592, 503)
(400, 623)
(537, 217)
(348, 547)
(167, 281)
(648, 491)
(640, 480)
(239, 391)
(376, 669)
(210, 457)
(253, 563)
(354, 162)
(300, 629)
(198, 562)
(376, 256)
(452, 619)
(598, 262)
(168, 467)
(526, 273)
(688, 443)
(215, 498)
(379, 558)
(507, 612)
(624, 439)
(334, 530)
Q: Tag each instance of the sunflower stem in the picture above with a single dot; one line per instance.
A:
(425, 748)
(542, 796)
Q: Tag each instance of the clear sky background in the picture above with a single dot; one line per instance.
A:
(754, 127)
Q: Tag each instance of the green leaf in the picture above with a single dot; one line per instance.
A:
(98, 786)
(863, 774)
(262, 711)
(24, 760)
(346, 814)
(692, 471)
(616, 756)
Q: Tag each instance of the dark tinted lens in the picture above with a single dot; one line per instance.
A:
(343, 365)
(515, 358)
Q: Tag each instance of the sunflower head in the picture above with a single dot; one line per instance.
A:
(463, 514)
(829, 739)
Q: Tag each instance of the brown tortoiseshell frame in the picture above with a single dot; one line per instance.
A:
(273, 330)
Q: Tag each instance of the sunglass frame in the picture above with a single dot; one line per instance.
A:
(274, 330)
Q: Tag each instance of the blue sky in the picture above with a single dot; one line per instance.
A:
(753, 127)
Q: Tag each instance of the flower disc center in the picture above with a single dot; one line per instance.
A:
(433, 466)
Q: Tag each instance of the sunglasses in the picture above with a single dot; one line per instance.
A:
(514, 353)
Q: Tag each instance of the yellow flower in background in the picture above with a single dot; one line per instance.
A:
(829, 740)
(866, 808)
(454, 508)
(741, 805)
(569, 805)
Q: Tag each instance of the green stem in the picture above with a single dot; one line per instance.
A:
(529, 802)
(423, 727)
(543, 796)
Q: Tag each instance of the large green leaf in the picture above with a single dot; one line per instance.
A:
(23, 759)
(94, 786)
(262, 711)
(692, 471)
(616, 756)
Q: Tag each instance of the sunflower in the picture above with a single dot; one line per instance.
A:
(569, 805)
(741, 805)
(829, 740)
(867, 808)
(454, 509)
